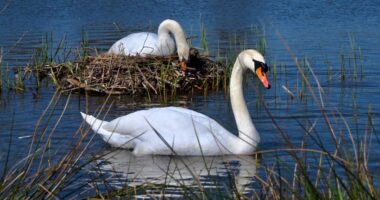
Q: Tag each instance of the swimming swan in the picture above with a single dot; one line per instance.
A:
(180, 131)
(161, 44)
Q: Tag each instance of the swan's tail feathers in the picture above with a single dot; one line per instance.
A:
(112, 138)
(96, 124)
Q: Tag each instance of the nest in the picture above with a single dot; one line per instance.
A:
(117, 74)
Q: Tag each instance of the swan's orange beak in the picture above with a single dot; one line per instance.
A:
(262, 77)
(183, 66)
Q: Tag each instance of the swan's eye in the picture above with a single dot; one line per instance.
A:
(259, 64)
(265, 67)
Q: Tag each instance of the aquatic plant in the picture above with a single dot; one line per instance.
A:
(8, 83)
(204, 42)
(354, 55)
(319, 172)
(342, 65)
(38, 174)
(83, 51)
(48, 54)
(19, 80)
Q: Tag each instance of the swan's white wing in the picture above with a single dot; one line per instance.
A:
(168, 119)
(196, 116)
(143, 43)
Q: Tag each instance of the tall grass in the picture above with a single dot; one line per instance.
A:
(19, 80)
(49, 171)
(204, 42)
(351, 61)
(83, 51)
(354, 55)
(259, 38)
(318, 173)
(49, 53)
(342, 65)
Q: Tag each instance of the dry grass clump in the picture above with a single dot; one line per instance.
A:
(117, 74)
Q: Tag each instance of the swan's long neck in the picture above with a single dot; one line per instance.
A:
(171, 26)
(247, 130)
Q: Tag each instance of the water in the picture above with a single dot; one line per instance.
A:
(317, 30)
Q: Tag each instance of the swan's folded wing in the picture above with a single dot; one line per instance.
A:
(169, 121)
(182, 120)
(132, 124)
(199, 118)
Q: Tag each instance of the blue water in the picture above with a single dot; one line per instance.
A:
(318, 30)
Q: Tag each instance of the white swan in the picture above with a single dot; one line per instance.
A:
(161, 44)
(174, 130)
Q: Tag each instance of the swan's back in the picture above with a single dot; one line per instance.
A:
(167, 120)
(143, 44)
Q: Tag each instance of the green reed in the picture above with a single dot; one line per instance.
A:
(361, 62)
(274, 77)
(83, 51)
(189, 39)
(351, 62)
(38, 175)
(48, 53)
(302, 89)
(1, 79)
(8, 82)
(342, 65)
(204, 42)
(320, 173)
(1, 69)
(217, 80)
(19, 80)
(298, 87)
(354, 55)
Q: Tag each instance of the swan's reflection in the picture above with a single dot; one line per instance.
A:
(224, 173)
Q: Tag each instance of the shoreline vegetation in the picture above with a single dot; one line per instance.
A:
(295, 172)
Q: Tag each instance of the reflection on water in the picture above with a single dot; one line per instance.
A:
(224, 174)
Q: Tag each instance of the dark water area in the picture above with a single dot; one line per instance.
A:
(317, 30)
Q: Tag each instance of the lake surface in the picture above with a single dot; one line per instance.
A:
(318, 30)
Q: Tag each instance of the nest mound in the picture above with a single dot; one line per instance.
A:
(117, 74)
